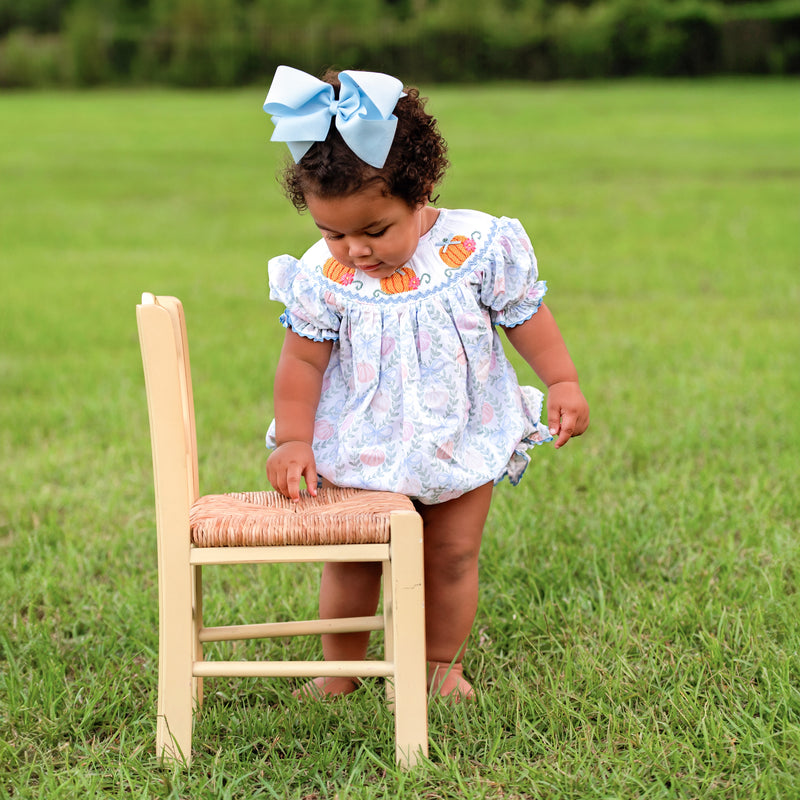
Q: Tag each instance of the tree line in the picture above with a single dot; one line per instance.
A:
(234, 42)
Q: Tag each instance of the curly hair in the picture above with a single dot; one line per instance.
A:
(416, 162)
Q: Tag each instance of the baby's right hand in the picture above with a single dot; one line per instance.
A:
(287, 464)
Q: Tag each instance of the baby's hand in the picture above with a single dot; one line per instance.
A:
(287, 464)
(567, 411)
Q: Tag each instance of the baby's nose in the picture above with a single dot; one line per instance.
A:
(358, 248)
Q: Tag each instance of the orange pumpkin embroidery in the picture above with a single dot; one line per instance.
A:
(404, 280)
(456, 250)
(338, 272)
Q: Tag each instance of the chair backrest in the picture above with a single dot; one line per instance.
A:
(168, 382)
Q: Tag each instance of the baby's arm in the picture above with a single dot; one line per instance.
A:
(298, 384)
(540, 343)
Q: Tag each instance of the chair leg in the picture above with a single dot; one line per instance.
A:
(408, 622)
(388, 627)
(197, 624)
(174, 725)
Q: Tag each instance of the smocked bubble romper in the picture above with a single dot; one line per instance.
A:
(418, 396)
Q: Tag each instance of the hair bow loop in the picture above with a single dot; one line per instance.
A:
(302, 107)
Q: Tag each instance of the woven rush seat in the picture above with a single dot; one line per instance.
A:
(334, 516)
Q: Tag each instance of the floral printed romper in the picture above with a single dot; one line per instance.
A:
(419, 397)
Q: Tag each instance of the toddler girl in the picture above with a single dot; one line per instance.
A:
(392, 374)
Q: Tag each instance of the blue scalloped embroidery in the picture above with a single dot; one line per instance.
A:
(286, 321)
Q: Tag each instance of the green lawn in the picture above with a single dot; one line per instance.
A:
(638, 629)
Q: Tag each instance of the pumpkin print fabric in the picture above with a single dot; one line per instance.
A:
(419, 397)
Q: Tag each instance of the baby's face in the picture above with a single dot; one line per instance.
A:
(372, 232)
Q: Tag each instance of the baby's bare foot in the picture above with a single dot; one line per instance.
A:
(447, 680)
(322, 688)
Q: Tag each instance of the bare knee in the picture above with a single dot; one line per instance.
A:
(453, 532)
(352, 581)
(451, 561)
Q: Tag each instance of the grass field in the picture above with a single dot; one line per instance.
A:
(638, 630)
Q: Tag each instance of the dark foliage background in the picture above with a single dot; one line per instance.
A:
(232, 42)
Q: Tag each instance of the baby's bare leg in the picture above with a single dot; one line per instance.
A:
(349, 589)
(452, 541)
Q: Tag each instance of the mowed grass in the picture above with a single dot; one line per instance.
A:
(637, 634)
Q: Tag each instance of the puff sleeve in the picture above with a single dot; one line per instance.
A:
(307, 312)
(510, 287)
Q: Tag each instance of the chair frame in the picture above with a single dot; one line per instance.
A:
(181, 666)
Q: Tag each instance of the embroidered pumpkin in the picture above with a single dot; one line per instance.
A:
(338, 272)
(404, 280)
(456, 250)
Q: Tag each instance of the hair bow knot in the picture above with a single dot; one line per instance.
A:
(302, 107)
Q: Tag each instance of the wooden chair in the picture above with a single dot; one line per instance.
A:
(265, 527)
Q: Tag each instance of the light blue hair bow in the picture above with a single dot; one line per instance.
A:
(302, 106)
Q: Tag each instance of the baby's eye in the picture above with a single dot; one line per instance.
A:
(334, 236)
(376, 234)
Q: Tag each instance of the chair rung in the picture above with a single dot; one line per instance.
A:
(294, 554)
(292, 669)
(229, 633)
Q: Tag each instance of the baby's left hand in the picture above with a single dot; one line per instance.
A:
(567, 411)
